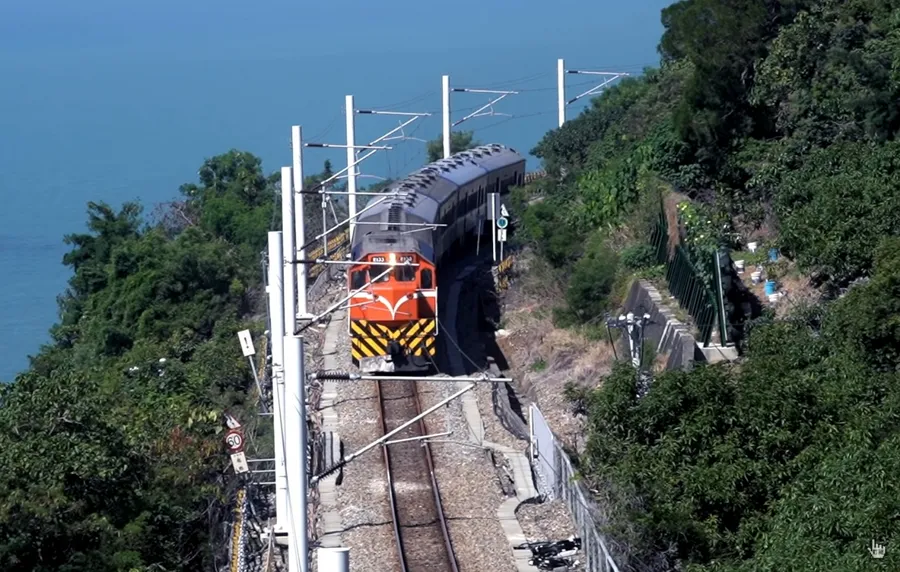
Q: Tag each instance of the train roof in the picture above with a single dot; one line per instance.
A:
(459, 169)
(427, 188)
(493, 156)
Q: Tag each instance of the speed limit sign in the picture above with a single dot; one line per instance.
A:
(234, 440)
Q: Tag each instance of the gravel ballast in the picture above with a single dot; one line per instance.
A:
(470, 492)
(469, 482)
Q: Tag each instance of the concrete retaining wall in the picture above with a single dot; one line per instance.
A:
(667, 333)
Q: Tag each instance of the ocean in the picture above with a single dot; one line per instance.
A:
(110, 102)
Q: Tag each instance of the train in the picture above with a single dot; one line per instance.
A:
(401, 243)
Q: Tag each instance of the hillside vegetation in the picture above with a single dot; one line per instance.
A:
(770, 120)
(112, 452)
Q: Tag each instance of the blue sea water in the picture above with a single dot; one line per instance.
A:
(109, 101)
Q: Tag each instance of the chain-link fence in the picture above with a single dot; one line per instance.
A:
(557, 479)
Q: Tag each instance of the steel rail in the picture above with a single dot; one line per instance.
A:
(394, 504)
(454, 566)
(395, 516)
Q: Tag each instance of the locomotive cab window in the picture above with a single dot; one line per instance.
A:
(358, 279)
(426, 278)
(405, 273)
(377, 270)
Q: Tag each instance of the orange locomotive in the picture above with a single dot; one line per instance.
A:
(401, 243)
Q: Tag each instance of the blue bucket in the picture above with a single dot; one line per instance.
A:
(773, 254)
(770, 287)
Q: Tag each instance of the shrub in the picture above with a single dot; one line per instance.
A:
(593, 280)
(638, 257)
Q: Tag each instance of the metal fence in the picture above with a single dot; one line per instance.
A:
(687, 283)
(557, 479)
(533, 176)
(338, 247)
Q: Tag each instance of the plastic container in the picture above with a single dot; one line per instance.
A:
(739, 264)
(751, 246)
(756, 276)
(773, 254)
(770, 287)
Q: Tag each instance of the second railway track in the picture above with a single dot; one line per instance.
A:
(420, 529)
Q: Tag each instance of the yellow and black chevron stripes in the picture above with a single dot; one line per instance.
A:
(505, 264)
(371, 339)
(502, 272)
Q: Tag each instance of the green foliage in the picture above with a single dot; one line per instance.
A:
(592, 281)
(112, 440)
(837, 205)
(701, 238)
(234, 201)
(722, 42)
(867, 320)
(830, 75)
(638, 256)
(779, 114)
(459, 141)
(728, 468)
(558, 242)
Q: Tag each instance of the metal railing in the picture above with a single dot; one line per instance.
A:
(338, 247)
(687, 283)
(534, 175)
(558, 479)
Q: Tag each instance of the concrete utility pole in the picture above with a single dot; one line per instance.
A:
(445, 111)
(299, 219)
(561, 89)
(334, 559)
(276, 335)
(295, 413)
(288, 250)
(351, 161)
(561, 86)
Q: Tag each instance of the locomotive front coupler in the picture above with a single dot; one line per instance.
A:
(395, 351)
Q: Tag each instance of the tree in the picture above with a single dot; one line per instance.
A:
(459, 141)
(732, 469)
(113, 461)
(818, 225)
(781, 112)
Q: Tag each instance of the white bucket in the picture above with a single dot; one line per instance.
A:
(752, 246)
(756, 276)
(774, 297)
(739, 264)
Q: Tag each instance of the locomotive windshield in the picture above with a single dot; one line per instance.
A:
(405, 273)
(377, 270)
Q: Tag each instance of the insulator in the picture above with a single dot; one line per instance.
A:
(331, 470)
(333, 375)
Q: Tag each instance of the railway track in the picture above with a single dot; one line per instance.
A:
(420, 529)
